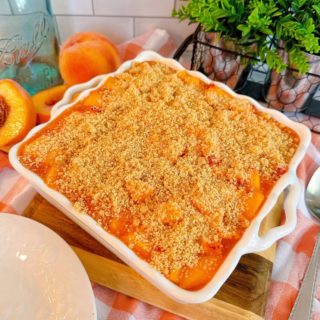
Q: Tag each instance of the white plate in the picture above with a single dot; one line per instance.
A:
(41, 278)
(250, 241)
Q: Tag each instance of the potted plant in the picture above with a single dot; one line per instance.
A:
(233, 28)
(297, 33)
(282, 33)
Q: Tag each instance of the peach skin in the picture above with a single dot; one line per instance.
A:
(86, 55)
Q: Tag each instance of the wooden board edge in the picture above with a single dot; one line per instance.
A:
(245, 289)
(108, 273)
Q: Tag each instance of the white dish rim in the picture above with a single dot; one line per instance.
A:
(250, 241)
(78, 288)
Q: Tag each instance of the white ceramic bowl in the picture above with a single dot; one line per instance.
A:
(41, 277)
(250, 241)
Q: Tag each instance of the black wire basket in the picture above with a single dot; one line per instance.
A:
(298, 96)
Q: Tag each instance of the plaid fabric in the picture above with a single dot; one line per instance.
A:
(293, 252)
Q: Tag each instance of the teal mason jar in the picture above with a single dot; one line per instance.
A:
(28, 45)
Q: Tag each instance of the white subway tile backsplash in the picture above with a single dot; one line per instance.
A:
(71, 7)
(117, 29)
(120, 20)
(148, 8)
(4, 7)
(179, 3)
(179, 30)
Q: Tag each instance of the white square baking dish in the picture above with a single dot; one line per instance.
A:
(250, 241)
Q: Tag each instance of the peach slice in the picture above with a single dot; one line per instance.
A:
(199, 275)
(93, 99)
(253, 203)
(17, 113)
(46, 99)
(255, 183)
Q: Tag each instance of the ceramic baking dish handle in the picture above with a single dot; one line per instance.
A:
(75, 89)
(290, 208)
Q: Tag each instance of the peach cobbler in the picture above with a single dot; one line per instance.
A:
(173, 167)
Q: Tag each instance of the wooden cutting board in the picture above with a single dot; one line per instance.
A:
(243, 296)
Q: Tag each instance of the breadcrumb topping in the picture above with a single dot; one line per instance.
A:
(168, 156)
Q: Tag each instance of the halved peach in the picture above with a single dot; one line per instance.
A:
(17, 113)
(46, 99)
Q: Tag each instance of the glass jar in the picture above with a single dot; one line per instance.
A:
(28, 45)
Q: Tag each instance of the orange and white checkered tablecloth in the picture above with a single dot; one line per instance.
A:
(293, 251)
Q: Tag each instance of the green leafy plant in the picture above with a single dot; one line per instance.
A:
(262, 28)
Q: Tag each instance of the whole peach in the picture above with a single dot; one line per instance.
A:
(85, 55)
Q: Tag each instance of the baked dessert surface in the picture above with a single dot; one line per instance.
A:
(172, 166)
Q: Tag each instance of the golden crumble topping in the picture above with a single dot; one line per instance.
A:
(164, 162)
